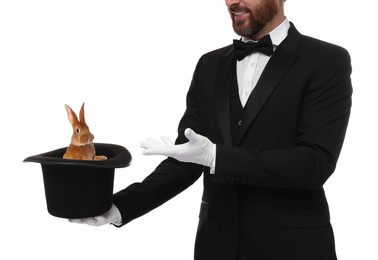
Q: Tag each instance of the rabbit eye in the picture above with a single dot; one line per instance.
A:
(78, 130)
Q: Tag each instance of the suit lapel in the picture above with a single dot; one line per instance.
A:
(224, 77)
(280, 62)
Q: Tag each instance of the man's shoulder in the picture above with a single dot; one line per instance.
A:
(312, 46)
(318, 43)
(317, 49)
(315, 46)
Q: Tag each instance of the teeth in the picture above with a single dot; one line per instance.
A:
(239, 13)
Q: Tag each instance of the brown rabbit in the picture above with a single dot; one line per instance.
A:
(81, 146)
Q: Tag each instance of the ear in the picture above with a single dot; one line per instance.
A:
(71, 115)
(81, 115)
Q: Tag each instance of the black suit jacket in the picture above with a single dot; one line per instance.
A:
(266, 198)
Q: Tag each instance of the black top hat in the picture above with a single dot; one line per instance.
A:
(80, 188)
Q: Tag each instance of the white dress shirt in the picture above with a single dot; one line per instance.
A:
(249, 70)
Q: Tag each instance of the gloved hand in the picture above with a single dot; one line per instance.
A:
(199, 149)
(112, 216)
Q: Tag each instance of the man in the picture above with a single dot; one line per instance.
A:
(266, 129)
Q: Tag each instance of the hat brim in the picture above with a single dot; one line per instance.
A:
(79, 188)
(118, 157)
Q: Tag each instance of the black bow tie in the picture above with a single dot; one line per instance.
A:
(242, 49)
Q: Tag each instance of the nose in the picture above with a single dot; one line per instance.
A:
(232, 2)
(87, 138)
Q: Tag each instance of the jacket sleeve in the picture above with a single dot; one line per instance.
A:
(166, 181)
(323, 121)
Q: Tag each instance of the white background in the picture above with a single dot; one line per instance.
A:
(132, 62)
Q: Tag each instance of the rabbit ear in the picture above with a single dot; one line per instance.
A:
(71, 115)
(81, 115)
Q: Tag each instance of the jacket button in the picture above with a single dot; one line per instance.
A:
(234, 218)
(240, 122)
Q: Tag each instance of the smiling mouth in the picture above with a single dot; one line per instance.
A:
(237, 13)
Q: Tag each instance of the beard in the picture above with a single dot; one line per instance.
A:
(258, 18)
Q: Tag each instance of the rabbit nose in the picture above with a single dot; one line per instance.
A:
(87, 138)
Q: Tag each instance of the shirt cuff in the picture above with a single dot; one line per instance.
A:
(116, 218)
(212, 167)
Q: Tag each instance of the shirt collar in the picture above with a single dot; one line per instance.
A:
(278, 34)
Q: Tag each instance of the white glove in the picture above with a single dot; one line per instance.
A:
(199, 149)
(112, 216)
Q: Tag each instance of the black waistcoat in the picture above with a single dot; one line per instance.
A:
(237, 111)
